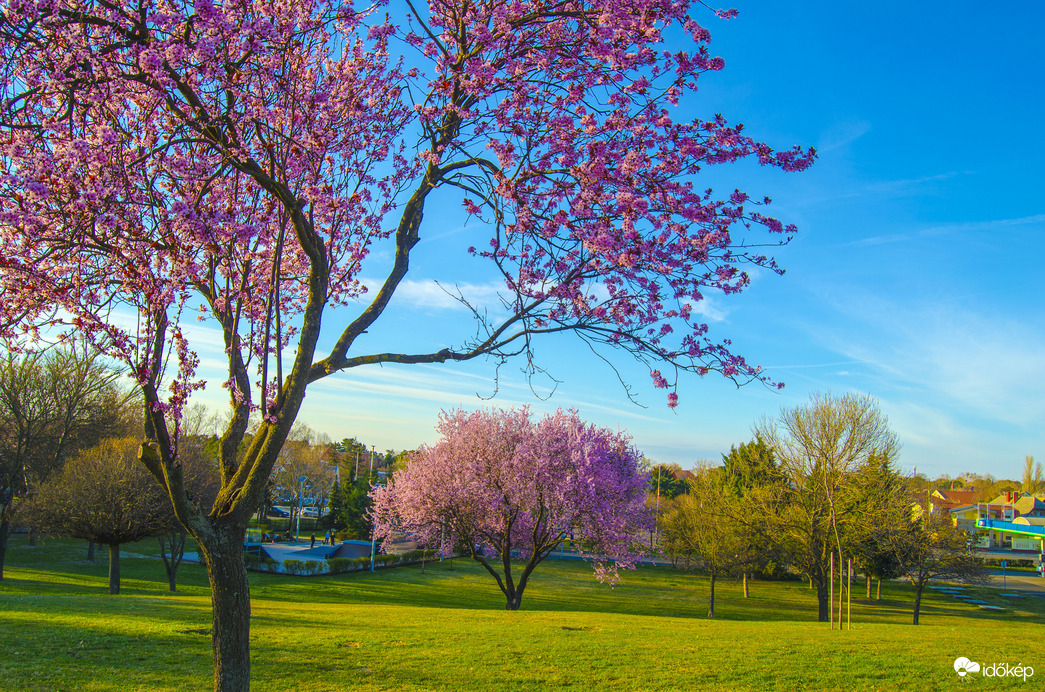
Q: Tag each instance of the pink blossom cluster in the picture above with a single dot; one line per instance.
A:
(251, 152)
(504, 485)
(592, 191)
(157, 153)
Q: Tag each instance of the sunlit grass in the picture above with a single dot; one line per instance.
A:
(445, 629)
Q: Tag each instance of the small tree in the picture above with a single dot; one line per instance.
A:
(880, 509)
(506, 487)
(202, 483)
(820, 448)
(106, 496)
(356, 502)
(703, 522)
(335, 505)
(750, 473)
(932, 548)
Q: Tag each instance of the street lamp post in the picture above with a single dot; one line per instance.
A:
(301, 493)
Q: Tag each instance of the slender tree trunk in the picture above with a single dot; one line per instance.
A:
(747, 594)
(230, 603)
(90, 551)
(5, 532)
(114, 568)
(172, 561)
(711, 599)
(879, 597)
(868, 577)
(918, 599)
(32, 536)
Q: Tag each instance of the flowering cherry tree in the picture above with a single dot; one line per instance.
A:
(237, 162)
(507, 488)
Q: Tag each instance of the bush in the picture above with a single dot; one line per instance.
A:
(414, 555)
(302, 568)
(337, 565)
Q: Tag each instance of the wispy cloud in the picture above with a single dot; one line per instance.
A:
(981, 364)
(948, 229)
(843, 134)
(434, 295)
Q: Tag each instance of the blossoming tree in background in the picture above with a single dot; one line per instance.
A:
(238, 162)
(505, 487)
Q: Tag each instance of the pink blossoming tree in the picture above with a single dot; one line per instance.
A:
(238, 161)
(507, 488)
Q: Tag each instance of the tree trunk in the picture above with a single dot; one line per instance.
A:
(230, 604)
(114, 568)
(823, 600)
(917, 599)
(171, 562)
(90, 551)
(32, 536)
(5, 531)
(868, 577)
(711, 599)
(879, 597)
(747, 593)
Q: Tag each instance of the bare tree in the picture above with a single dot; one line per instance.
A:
(53, 404)
(820, 447)
(303, 456)
(1032, 476)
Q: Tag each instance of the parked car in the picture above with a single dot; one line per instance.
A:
(310, 513)
(278, 512)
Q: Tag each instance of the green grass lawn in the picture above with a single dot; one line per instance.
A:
(445, 629)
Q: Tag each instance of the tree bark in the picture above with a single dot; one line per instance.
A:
(917, 600)
(868, 577)
(879, 597)
(230, 604)
(90, 551)
(5, 532)
(171, 562)
(711, 599)
(747, 594)
(823, 600)
(114, 568)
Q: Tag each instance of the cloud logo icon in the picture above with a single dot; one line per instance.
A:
(963, 666)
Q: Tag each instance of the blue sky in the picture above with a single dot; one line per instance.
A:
(914, 277)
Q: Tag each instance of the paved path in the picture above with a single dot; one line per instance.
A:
(1026, 582)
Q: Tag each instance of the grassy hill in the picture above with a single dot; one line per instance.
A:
(444, 629)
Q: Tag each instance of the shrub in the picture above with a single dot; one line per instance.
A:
(302, 568)
(336, 565)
